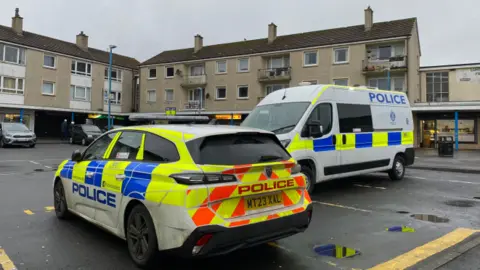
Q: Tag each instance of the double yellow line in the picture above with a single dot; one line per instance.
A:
(5, 261)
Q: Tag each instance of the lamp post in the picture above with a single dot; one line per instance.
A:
(111, 47)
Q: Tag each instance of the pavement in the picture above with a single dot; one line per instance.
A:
(353, 212)
(463, 161)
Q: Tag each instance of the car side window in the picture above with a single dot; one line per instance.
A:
(99, 147)
(127, 146)
(323, 114)
(159, 149)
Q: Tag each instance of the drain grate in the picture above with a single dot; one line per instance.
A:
(403, 212)
(335, 251)
(460, 203)
(430, 218)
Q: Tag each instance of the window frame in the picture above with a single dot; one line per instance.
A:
(272, 86)
(311, 82)
(340, 128)
(316, 61)
(19, 56)
(216, 92)
(116, 78)
(53, 88)
(166, 72)
(54, 61)
(76, 72)
(340, 79)
(88, 96)
(165, 94)
(347, 55)
(96, 141)
(238, 91)
(150, 75)
(148, 95)
(217, 71)
(239, 60)
(440, 75)
(17, 90)
(115, 141)
(117, 97)
(305, 126)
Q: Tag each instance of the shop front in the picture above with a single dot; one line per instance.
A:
(18, 115)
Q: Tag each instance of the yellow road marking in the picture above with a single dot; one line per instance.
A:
(49, 208)
(28, 212)
(343, 206)
(431, 248)
(5, 261)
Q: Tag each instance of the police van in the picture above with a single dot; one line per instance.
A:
(339, 131)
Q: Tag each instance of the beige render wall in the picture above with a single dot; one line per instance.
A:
(36, 74)
(98, 79)
(413, 73)
(127, 90)
(458, 91)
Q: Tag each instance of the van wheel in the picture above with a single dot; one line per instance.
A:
(60, 202)
(141, 237)
(310, 178)
(398, 169)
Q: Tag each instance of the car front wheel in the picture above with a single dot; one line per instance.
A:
(141, 237)
(59, 201)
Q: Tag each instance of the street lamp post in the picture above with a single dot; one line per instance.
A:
(111, 47)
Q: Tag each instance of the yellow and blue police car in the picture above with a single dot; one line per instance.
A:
(196, 190)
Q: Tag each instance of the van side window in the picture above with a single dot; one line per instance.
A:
(323, 113)
(354, 118)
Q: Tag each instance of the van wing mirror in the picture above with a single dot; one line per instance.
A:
(315, 128)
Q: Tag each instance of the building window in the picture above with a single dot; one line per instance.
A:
(399, 84)
(10, 85)
(242, 92)
(116, 74)
(354, 118)
(274, 87)
(152, 73)
(341, 55)
(466, 129)
(221, 92)
(48, 88)
(384, 52)
(243, 65)
(278, 62)
(380, 83)
(169, 72)
(115, 97)
(437, 87)
(151, 96)
(79, 93)
(310, 58)
(81, 68)
(312, 82)
(221, 67)
(197, 70)
(169, 96)
(343, 82)
(49, 61)
(12, 54)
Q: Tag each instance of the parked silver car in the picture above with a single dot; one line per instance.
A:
(16, 134)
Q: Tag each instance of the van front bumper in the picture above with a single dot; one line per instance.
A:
(225, 240)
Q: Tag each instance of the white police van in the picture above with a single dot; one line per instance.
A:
(338, 131)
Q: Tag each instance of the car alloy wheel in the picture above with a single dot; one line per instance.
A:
(138, 236)
(59, 201)
(141, 237)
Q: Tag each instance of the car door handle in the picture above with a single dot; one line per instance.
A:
(120, 177)
(344, 139)
(334, 139)
(90, 174)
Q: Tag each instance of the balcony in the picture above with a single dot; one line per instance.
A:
(193, 105)
(194, 81)
(275, 74)
(395, 64)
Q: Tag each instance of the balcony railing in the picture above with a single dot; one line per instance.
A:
(192, 81)
(274, 74)
(396, 63)
(193, 105)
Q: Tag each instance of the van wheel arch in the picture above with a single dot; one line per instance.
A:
(310, 169)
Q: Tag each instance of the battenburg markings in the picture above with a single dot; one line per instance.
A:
(94, 194)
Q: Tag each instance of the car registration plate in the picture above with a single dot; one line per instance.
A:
(264, 201)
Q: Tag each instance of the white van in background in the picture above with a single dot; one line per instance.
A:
(339, 131)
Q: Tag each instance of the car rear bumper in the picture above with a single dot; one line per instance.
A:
(225, 240)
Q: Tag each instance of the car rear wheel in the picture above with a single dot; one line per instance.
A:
(59, 201)
(141, 237)
(310, 178)
(398, 169)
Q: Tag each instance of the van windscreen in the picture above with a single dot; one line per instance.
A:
(279, 118)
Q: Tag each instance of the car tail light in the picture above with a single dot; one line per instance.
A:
(200, 178)
(201, 243)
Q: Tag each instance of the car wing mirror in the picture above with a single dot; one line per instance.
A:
(77, 156)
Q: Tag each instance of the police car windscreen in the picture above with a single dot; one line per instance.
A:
(237, 149)
(279, 117)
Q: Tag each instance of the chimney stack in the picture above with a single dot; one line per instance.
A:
(368, 19)
(17, 22)
(198, 43)
(272, 32)
(82, 41)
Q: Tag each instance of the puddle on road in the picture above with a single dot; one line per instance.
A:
(478, 198)
(403, 212)
(39, 170)
(431, 218)
(400, 229)
(460, 203)
(335, 251)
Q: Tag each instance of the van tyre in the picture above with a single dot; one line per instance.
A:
(60, 202)
(310, 178)
(141, 237)
(398, 169)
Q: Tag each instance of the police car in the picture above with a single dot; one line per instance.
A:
(339, 131)
(196, 190)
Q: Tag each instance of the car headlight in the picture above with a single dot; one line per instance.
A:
(285, 143)
(8, 135)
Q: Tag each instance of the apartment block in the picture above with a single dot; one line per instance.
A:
(45, 80)
(448, 92)
(228, 80)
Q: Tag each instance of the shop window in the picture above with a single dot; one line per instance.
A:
(466, 129)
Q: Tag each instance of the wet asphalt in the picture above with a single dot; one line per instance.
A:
(353, 212)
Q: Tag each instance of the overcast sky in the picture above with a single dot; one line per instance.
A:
(143, 28)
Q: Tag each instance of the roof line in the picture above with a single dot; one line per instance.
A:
(451, 65)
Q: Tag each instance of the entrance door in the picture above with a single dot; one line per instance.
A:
(429, 133)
